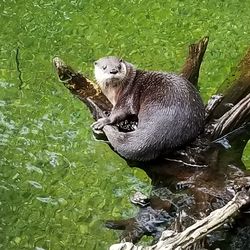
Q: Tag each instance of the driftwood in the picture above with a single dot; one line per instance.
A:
(209, 171)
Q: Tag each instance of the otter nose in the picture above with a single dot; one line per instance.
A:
(113, 71)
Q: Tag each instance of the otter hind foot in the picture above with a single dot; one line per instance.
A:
(100, 123)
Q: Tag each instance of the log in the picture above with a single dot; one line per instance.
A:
(205, 169)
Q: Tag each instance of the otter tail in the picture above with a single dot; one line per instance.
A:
(156, 136)
(136, 145)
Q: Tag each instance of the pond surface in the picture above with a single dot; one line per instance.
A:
(57, 185)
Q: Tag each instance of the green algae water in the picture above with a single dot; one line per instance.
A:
(57, 185)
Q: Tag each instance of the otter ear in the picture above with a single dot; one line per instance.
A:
(121, 60)
(95, 63)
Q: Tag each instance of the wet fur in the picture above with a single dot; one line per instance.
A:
(169, 109)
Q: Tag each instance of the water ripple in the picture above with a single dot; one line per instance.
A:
(35, 184)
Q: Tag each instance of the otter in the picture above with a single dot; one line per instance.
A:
(169, 109)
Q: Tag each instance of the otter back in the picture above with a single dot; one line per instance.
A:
(169, 109)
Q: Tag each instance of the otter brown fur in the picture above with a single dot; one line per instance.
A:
(169, 109)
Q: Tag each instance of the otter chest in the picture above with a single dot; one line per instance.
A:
(111, 94)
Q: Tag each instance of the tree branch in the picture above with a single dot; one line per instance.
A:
(233, 119)
(83, 88)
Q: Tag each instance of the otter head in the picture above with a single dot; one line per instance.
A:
(110, 72)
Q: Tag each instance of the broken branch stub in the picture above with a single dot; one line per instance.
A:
(191, 68)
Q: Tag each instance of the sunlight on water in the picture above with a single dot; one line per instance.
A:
(57, 185)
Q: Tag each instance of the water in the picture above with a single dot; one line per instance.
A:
(57, 184)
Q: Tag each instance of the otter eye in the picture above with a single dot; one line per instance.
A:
(119, 67)
(104, 67)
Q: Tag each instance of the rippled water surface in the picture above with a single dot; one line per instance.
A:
(57, 185)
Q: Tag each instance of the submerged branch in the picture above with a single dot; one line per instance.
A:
(170, 240)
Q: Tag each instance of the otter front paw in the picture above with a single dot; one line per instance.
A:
(100, 123)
